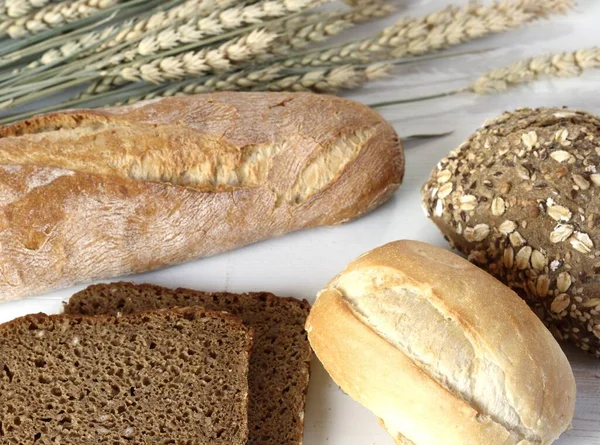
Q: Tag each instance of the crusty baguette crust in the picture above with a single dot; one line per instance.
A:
(536, 376)
(93, 194)
(374, 373)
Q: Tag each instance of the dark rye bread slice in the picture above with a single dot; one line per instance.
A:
(163, 377)
(280, 359)
(279, 364)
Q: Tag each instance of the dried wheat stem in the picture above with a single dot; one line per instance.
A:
(566, 64)
(53, 16)
(448, 27)
(194, 63)
(214, 24)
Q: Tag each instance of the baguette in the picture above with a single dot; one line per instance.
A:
(94, 194)
(441, 351)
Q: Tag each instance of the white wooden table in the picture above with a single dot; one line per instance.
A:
(301, 263)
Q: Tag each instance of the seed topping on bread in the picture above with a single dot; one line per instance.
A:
(521, 198)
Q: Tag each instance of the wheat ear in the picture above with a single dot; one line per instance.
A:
(135, 30)
(300, 32)
(448, 27)
(53, 16)
(13, 9)
(194, 63)
(565, 64)
(328, 80)
(277, 78)
(214, 24)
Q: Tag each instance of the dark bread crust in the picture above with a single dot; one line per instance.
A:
(279, 364)
(178, 375)
(521, 198)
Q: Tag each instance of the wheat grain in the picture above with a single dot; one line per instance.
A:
(132, 31)
(329, 80)
(53, 16)
(12, 9)
(273, 78)
(448, 27)
(565, 64)
(194, 63)
(214, 24)
(303, 31)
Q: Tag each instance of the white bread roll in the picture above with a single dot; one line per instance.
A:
(441, 351)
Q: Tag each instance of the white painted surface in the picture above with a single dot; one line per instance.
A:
(300, 264)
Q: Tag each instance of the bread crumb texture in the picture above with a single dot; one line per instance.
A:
(521, 198)
(160, 377)
(279, 364)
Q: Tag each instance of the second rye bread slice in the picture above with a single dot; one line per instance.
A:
(161, 377)
(279, 364)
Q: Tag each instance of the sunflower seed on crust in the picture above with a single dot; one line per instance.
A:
(560, 303)
(563, 282)
(508, 257)
(542, 285)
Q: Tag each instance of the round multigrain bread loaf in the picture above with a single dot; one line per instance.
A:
(521, 197)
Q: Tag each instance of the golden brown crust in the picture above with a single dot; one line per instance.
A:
(503, 365)
(374, 373)
(94, 194)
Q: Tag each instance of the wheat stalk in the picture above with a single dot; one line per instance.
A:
(194, 63)
(157, 48)
(329, 80)
(214, 24)
(132, 31)
(565, 64)
(448, 27)
(53, 16)
(277, 78)
(560, 65)
(70, 49)
(303, 31)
